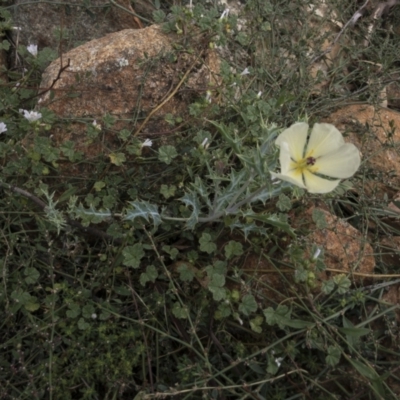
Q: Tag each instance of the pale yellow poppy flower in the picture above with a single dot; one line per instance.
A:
(306, 160)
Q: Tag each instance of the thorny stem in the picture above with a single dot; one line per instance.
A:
(242, 189)
(235, 207)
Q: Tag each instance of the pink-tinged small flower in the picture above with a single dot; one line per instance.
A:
(32, 48)
(309, 161)
(147, 143)
(3, 127)
(31, 116)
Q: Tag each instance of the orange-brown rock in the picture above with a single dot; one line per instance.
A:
(376, 132)
(128, 74)
(346, 250)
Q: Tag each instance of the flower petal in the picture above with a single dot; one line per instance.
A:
(341, 163)
(295, 136)
(285, 160)
(324, 139)
(295, 179)
(316, 184)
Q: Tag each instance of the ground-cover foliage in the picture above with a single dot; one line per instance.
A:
(137, 282)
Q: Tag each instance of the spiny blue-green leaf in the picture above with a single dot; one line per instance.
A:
(228, 194)
(270, 192)
(143, 209)
(91, 215)
(225, 131)
(190, 199)
(201, 189)
(274, 220)
(248, 228)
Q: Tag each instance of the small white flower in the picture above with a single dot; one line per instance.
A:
(3, 127)
(96, 125)
(308, 161)
(278, 361)
(17, 28)
(94, 316)
(259, 94)
(316, 254)
(205, 144)
(147, 143)
(31, 116)
(224, 14)
(245, 72)
(32, 48)
(208, 96)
